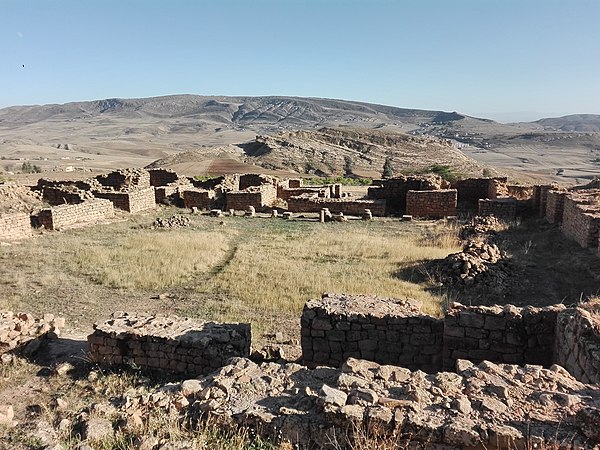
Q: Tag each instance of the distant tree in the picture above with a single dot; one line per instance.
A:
(388, 169)
(348, 165)
(27, 167)
(487, 173)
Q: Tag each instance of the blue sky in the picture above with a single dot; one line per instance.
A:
(504, 59)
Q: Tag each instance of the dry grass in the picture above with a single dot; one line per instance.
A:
(282, 271)
(149, 260)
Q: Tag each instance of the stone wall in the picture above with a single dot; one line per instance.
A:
(311, 203)
(502, 208)
(14, 226)
(540, 198)
(286, 193)
(253, 180)
(388, 331)
(260, 197)
(199, 198)
(166, 194)
(578, 342)
(471, 190)
(132, 201)
(59, 195)
(188, 346)
(61, 216)
(434, 204)
(506, 334)
(555, 203)
(162, 177)
(125, 179)
(581, 217)
(18, 330)
(393, 190)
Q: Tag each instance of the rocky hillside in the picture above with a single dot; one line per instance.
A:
(341, 152)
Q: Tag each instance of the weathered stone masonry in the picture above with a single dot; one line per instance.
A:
(502, 208)
(388, 331)
(61, 216)
(393, 331)
(581, 217)
(434, 204)
(188, 346)
(310, 203)
(14, 226)
(132, 201)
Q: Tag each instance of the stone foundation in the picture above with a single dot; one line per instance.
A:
(62, 216)
(578, 342)
(17, 330)
(14, 226)
(187, 346)
(506, 334)
(502, 208)
(310, 203)
(434, 204)
(131, 201)
(388, 331)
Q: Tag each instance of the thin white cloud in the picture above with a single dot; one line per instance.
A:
(20, 34)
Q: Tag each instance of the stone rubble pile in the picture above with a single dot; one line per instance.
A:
(485, 406)
(479, 227)
(17, 330)
(478, 263)
(176, 221)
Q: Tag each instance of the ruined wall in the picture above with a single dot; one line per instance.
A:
(388, 331)
(471, 190)
(17, 330)
(393, 190)
(166, 194)
(61, 216)
(14, 226)
(162, 177)
(578, 342)
(59, 195)
(310, 203)
(434, 204)
(502, 208)
(252, 179)
(506, 334)
(188, 346)
(260, 197)
(555, 203)
(199, 198)
(540, 198)
(132, 201)
(125, 179)
(581, 217)
(286, 193)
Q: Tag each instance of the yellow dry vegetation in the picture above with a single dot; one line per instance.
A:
(150, 260)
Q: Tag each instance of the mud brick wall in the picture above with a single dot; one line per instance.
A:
(434, 204)
(578, 342)
(471, 190)
(394, 190)
(17, 330)
(508, 334)
(132, 201)
(162, 177)
(57, 195)
(260, 197)
(14, 226)
(555, 203)
(61, 216)
(199, 198)
(310, 203)
(581, 218)
(387, 331)
(502, 208)
(187, 346)
(125, 178)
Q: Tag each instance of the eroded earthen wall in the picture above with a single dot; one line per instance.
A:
(387, 331)
(188, 346)
(14, 226)
(62, 216)
(434, 204)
